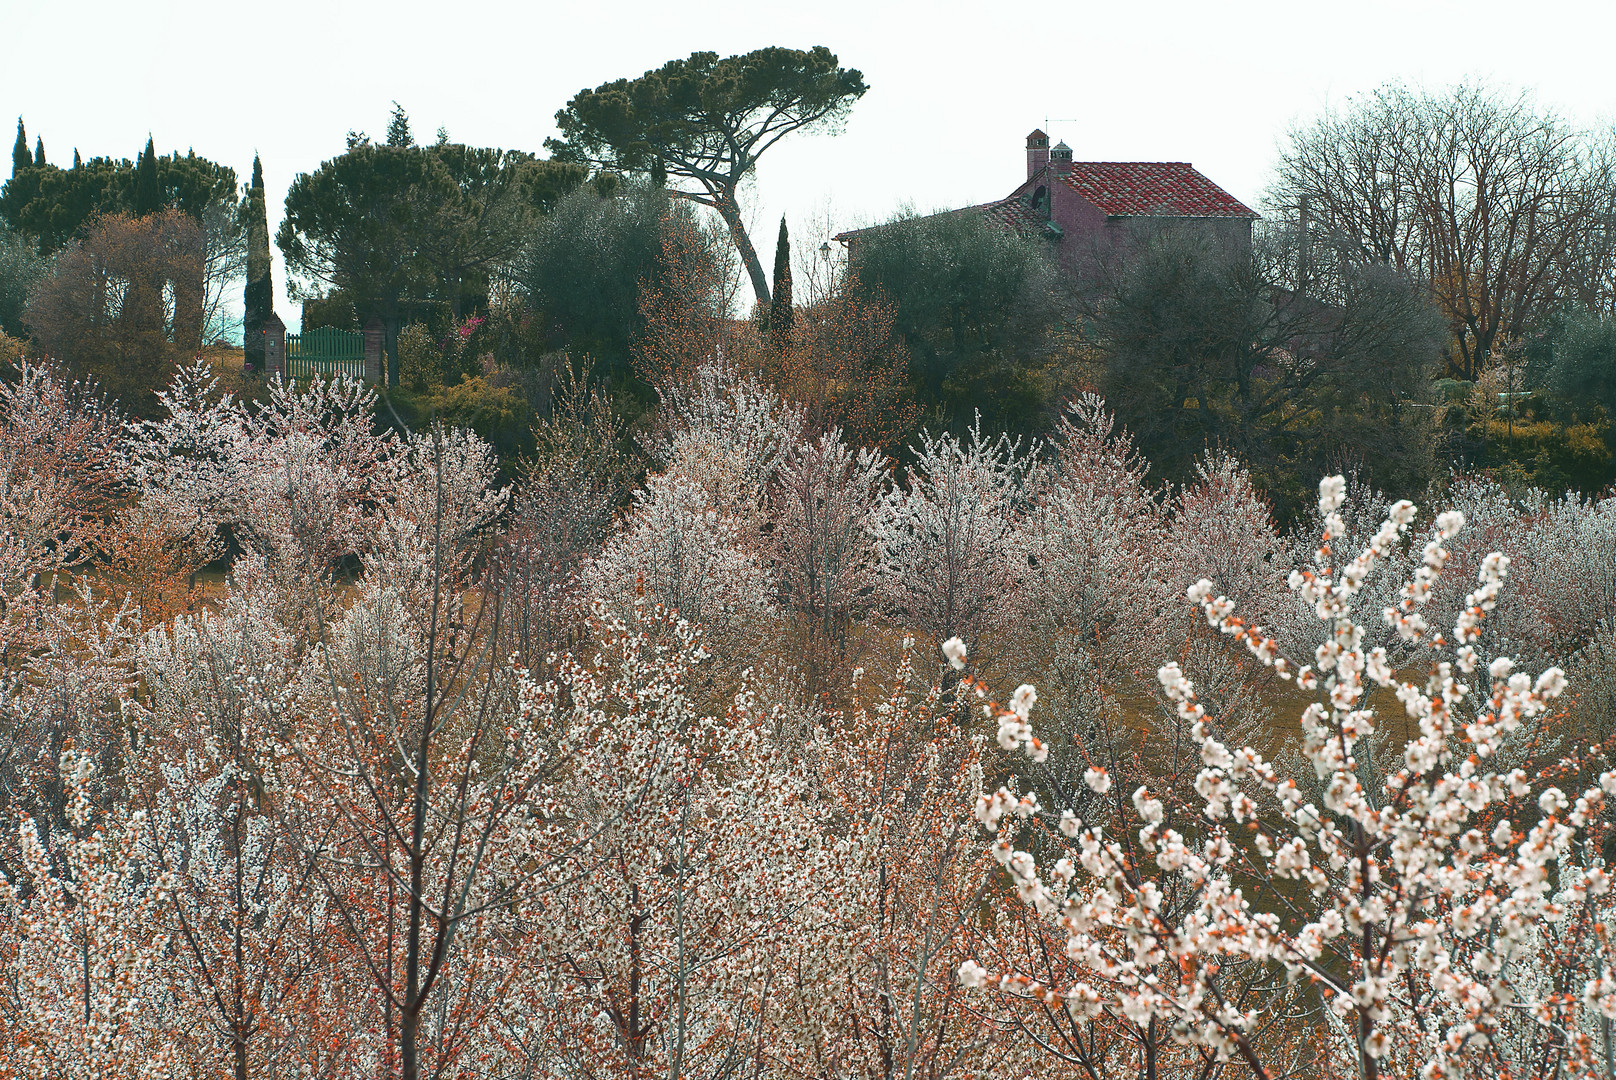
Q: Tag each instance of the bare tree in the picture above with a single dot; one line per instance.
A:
(1499, 205)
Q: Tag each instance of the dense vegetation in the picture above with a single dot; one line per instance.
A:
(959, 667)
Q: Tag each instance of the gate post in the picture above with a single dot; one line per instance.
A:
(274, 334)
(373, 351)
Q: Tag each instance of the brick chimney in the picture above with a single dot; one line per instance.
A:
(1060, 159)
(1037, 152)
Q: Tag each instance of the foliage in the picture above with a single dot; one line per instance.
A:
(330, 308)
(398, 226)
(21, 269)
(56, 206)
(586, 264)
(975, 305)
(19, 150)
(147, 200)
(435, 781)
(258, 296)
(1423, 916)
(1494, 203)
(1582, 368)
(1197, 350)
(124, 304)
(705, 121)
(781, 309)
(842, 360)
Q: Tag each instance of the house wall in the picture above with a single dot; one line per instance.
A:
(1081, 224)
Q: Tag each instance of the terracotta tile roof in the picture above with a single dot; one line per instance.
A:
(1153, 189)
(1012, 212)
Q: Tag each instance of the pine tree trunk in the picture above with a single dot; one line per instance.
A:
(730, 211)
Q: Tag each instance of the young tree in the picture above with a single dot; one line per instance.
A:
(686, 324)
(258, 299)
(848, 369)
(781, 311)
(398, 129)
(80, 917)
(685, 856)
(947, 541)
(1416, 902)
(148, 198)
(824, 501)
(19, 152)
(21, 269)
(868, 990)
(1100, 581)
(706, 121)
(417, 804)
(249, 938)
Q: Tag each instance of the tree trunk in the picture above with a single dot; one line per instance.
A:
(189, 298)
(409, 1026)
(730, 211)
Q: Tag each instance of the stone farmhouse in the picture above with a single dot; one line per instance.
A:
(1090, 208)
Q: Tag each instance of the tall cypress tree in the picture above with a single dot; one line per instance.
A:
(76, 161)
(258, 300)
(148, 199)
(19, 152)
(780, 310)
(39, 152)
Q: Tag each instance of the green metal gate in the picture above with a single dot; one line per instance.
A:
(325, 351)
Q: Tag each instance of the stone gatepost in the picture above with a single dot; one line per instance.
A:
(373, 351)
(274, 347)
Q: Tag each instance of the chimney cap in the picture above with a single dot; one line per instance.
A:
(1037, 139)
(1062, 146)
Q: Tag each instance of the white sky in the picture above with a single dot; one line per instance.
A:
(954, 86)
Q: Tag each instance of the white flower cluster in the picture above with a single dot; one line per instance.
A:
(1418, 895)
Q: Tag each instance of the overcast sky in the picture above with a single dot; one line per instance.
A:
(954, 87)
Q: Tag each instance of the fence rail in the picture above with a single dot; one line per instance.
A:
(325, 352)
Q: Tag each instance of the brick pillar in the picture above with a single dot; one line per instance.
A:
(373, 351)
(274, 334)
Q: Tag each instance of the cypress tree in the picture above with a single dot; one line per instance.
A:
(39, 152)
(76, 161)
(780, 310)
(19, 152)
(148, 199)
(258, 300)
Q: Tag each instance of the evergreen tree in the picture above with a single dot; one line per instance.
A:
(19, 153)
(780, 310)
(398, 128)
(39, 153)
(76, 161)
(148, 196)
(258, 300)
